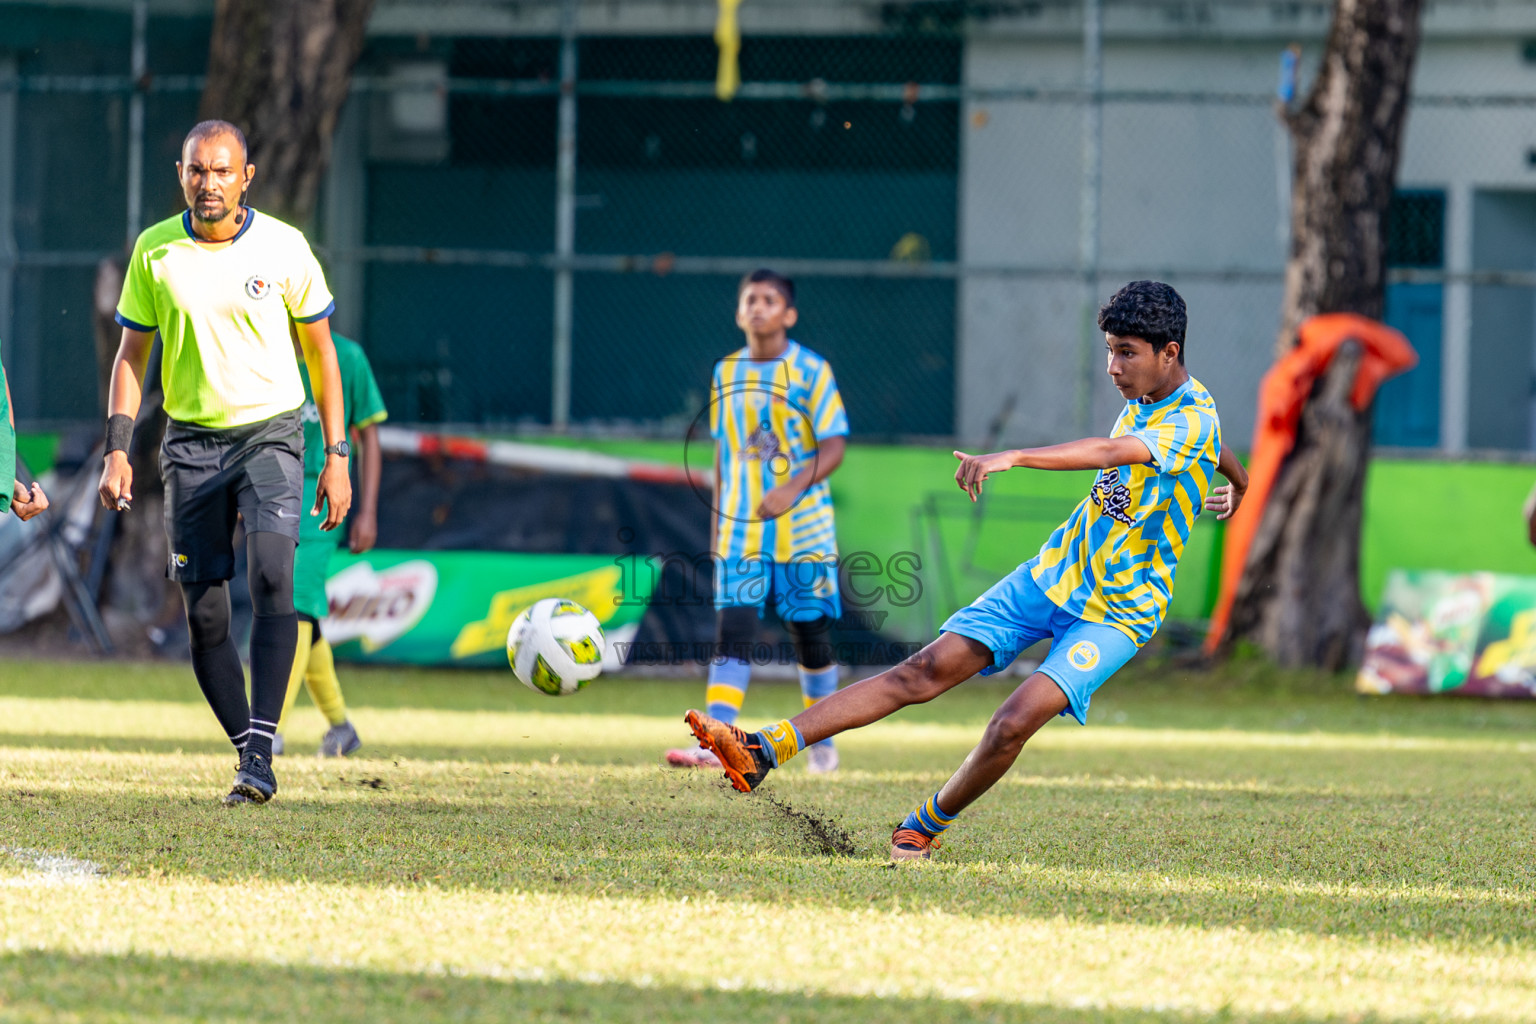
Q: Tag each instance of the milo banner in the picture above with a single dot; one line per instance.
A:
(1463, 633)
(455, 607)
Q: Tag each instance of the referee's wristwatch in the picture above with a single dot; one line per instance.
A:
(341, 448)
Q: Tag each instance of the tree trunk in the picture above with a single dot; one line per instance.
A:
(135, 593)
(135, 586)
(281, 69)
(1299, 598)
(108, 286)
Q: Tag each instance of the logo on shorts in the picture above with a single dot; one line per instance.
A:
(180, 560)
(258, 286)
(1084, 655)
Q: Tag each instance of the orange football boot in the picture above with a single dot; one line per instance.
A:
(910, 844)
(741, 754)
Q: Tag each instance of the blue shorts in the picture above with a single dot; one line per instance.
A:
(1015, 614)
(802, 589)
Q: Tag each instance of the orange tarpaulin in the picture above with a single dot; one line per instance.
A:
(1281, 395)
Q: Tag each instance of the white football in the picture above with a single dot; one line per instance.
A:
(556, 647)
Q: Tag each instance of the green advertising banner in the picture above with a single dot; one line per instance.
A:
(1462, 633)
(455, 607)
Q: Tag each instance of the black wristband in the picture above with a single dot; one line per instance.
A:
(119, 433)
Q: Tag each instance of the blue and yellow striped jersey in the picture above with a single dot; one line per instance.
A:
(1114, 559)
(766, 417)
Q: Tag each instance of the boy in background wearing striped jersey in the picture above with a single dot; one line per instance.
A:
(314, 664)
(780, 430)
(1098, 588)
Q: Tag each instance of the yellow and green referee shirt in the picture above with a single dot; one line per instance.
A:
(223, 316)
(1114, 559)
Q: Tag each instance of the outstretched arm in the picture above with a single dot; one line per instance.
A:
(1088, 453)
(1224, 500)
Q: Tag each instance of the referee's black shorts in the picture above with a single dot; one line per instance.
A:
(212, 473)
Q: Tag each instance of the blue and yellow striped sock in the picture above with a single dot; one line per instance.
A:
(815, 684)
(782, 741)
(929, 818)
(728, 681)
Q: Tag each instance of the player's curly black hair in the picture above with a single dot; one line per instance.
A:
(1149, 310)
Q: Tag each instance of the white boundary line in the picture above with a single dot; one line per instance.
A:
(49, 869)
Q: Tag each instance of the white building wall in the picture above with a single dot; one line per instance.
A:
(1189, 195)
(1193, 193)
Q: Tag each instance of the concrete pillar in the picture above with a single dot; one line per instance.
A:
(346, 206)
(1456, 354)
(8, 252)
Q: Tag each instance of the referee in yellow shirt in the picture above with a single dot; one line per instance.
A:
(220, 283)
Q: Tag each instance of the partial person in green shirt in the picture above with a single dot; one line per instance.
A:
(313, 663)
(25, 501)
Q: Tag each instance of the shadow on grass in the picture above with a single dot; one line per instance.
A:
(597, 754)
(1351, 867)
(1148, 693)
(41, 986)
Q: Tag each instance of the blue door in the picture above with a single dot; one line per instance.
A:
(1408, 406)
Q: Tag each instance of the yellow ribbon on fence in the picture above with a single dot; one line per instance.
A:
(728, 38)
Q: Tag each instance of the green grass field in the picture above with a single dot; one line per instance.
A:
(1243, 846)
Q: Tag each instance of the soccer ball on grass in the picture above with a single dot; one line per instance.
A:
(556, 647)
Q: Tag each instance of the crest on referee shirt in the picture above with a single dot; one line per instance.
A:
(257, 286)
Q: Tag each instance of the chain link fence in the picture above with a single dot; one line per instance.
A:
(953, 195)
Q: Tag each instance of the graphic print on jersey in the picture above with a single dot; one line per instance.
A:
(763, 446)
(1112, 496)
(1114, 559)
(756, 412)
(768, 418)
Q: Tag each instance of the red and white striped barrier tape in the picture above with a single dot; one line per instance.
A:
(544, 458)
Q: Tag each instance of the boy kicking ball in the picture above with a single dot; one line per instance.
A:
(1098, 588)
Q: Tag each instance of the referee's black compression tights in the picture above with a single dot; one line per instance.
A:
(274, 638)
(215, 661)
